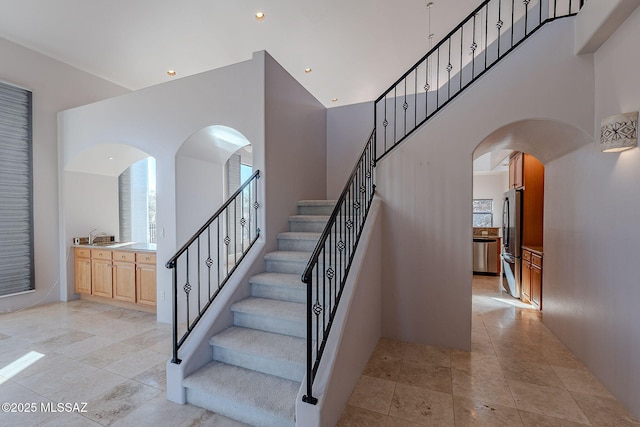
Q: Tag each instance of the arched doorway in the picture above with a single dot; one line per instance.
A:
(208, 169)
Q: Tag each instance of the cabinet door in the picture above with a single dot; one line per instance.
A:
(102, 278)
(517, 175)
(526, 282)
(536, 286)
(124, 281)
(146, 284)
(82, 275)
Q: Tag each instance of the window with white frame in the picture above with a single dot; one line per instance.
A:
(482, 212)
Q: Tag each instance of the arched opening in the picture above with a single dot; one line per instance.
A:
(209, 167)
(508, 193)
(109, 190)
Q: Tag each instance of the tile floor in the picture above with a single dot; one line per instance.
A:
(113, 359)
(517, 374)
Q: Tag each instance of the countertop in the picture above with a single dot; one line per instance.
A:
(535, 249)
(137, 247)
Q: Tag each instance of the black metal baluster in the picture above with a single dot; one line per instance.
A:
(499, 24)
(395, 113)
(187, 290)
(235, 233)
(461, 50)
(218, 253)
(473, 49)
(405, 106)
(526, 18)
(438, 80)
(415, 99)
(426, 88)
(513, 20)
(209, 261)
(198, 265)
(175, 359)
(486, 35)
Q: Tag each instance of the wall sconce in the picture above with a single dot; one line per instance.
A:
(619, 132)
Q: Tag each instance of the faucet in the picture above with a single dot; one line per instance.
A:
(91, 236)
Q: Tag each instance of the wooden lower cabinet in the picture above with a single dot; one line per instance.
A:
(124, 276)
(82, 271)
(146, 284)
(532, 278)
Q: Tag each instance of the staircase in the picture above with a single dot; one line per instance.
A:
(258, 364)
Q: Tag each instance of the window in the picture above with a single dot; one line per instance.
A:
(16, 191)
(482, 212)
(137, 194)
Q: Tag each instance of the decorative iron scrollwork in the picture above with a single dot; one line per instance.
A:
(209, 262)
(187, 288)
(317, 308)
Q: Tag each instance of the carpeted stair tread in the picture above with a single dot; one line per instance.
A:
(317, 202)
(248, 396)
(309, 218)
(264, 344)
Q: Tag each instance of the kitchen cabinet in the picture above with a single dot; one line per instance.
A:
(525, 283)
(516, 163)
(124, 276)
(527, 173)
(146, 279)
(532, 276)
(82, 270)
(116, 276)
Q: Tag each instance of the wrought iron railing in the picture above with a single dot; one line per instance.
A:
(329, 265)
(406, 105)
(490, 32)
(204, 264)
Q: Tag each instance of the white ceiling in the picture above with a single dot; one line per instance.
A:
(356, 48)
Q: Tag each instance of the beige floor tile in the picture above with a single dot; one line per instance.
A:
(391, 348)
(422, 406)
(82, 348)
(603, 411)
(581, 381)
(533, 372)
(15, 394)
(476, 364)
(154, 377)
(353, 416)
(492, 389)
(397, 422)
(158, 411)
(537, 420)
(475, 413)
(382, 366)
(425, 375)
(136, 363)
(119, 401)
(436, 356)
(105, 356)
(518, 352)
(508, 334)
(563, 358)
(373, 394)
(547, 401)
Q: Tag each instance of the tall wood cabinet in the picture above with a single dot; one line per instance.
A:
(82, 270)
(146, 279)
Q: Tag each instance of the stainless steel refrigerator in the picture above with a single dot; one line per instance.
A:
(512, 242)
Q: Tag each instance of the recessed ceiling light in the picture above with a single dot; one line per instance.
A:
(110, 158)
(308, 70)
(171, 73)
(334, 100)
(259, 16)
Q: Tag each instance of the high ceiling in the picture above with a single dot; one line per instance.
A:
(356, 48)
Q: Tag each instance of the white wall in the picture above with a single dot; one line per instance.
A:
(492, 185)
(56, 86)
(348, 128)
(295, 148)
(592, 237)
(199, 193)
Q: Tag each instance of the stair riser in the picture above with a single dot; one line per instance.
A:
(280, 368)
(282, 293)
(311, 226)
(316, 210)
(235, 410)
(297, 245)
(261, 323)
(283, 266)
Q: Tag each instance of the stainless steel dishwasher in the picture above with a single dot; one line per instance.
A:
(485, 255)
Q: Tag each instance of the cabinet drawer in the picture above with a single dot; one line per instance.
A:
(536, 260)
(526, 256)
(146, 258)
(100, 254)
(82, 252)
(124, 256)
